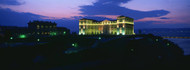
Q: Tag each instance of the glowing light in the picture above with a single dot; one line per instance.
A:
(53, 33)
(75, 45)
(99, 38)
(120, 30)
(132, 50)
(22, 36)
(156, 40)
(110, 27)
(38, 40)
(64, 32)
(11, 38)
(123, 33)
(168, 44)
(117, 33)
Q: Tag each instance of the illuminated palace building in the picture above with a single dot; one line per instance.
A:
(122, 26)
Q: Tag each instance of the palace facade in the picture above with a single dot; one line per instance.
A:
(122, 26)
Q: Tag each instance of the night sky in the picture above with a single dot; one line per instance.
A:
(66, 13)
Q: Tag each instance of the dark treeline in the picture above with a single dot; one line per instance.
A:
(123, 52)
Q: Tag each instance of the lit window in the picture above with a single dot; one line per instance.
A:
(42, 26)
(120, 30)
(54, 26)
(38, 26)
(120, 20)
(81, 22)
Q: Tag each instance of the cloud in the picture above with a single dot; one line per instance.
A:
(179, 9)
(11, 18)
(10, 2)
(51, 8)
(159, 24)
(66, 13)
(115, 2)
(70, 8)
(164, 18)
(112, 7)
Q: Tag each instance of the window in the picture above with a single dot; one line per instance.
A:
(126, 19)
(120, 20)
(120, 25)
(46, 26)
(38, 26)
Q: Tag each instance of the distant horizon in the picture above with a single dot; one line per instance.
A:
(134, 28)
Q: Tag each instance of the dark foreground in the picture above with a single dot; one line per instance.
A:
(96, 53)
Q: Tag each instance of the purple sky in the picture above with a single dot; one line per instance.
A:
(153, 13)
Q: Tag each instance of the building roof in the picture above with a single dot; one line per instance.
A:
(104, 20)
(125, 16)
(42, 22)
